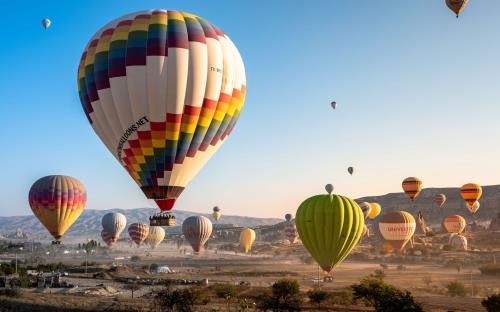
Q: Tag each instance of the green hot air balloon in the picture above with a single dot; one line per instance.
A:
(329, 227)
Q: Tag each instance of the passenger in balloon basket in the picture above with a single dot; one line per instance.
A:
(162, 219)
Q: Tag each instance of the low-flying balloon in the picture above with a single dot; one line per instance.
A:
(247, 237)
(107, 238)
(412, 187)
(197, 231)
(114, 223)
(397, 228)
(458, 242)
(471, 192)
(473, 208)
(375, 211)
(46, 23)
(440, 199)
(155, 236)
(138, 232)
(456, 5)
(350, 170)
(454, 224)
(291, 233)
(163, 90)
(329, 226)
(217, 213)
(57, 201)
(366, 208)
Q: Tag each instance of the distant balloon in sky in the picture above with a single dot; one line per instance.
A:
(46, 23)
(454, 224)
(247, 237)
(397, 228)
(471, 192)
(217, 213)
(333, 104)
(114, 223)
(412, 187)
(57, 201)
(473, 208)
(350, 170)
(138, 232)
(155, 236)
(288, 217)
(456, 5)
(375, 210)
(329, 226)
(162, 90)
(329, 188)
(440, 199)
(197, 231)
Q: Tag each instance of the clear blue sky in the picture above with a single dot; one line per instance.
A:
(418, 93)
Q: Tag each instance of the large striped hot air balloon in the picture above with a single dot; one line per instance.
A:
(108, 238)
(412, 187)
(375, 211)
(440, 199)
(247, 237)
(473, 208)
(155, 236)
(456, 5)
(138, 232)
(471, 192)
(454, 224)
(114, 223)
(162, 90)
(197, 231)
(397, 228)
(329, 226)
(57, 201)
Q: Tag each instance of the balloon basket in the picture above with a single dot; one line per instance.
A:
(56, 243)
(162, 219)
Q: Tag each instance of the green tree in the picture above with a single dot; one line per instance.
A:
(492, 303)
(226, 292)
(456, 289)
(317, 296)
(285, 297)
(182, 300)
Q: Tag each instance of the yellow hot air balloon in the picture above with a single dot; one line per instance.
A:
(217, 213)
(412, 187)
(456, 5)
(397, 228)
(471, 192)
(454, 224)
(155, 236)
(329, 226)
(57, 201)
(247, 237)
(375, 211)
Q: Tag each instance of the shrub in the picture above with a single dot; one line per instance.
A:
(384, 297)
(182, 300)
(378, 274)
(384, 266)
(226, 292)
(492, 303)
(456, 289)
(285, 297)
(317, 296)
(343, 298)
(490, 269)
(135, 258)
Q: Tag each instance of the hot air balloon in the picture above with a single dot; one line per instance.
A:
(291, 233)
(217, 213)
(412, 187)
(473, 208)
(247, 237)
(397, 228)
(456, 5)
(439, 199)
(329, 188)
(114, 223)
(458, 242)
(46, 23)
(471, 192)
(350, 170)
(197, 230)
(138, 232)
(288, 217)
(454, 224)
(375, 211)
(107, 238)
(329, 226)
(57, 201)
(162, 90)
(333, 104)
(155, 236)
(366, 208)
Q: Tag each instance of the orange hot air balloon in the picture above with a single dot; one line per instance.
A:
(440, 199)
(412, 187)
(471, 192)
(57, 201)
(454, 224)
(456, 5)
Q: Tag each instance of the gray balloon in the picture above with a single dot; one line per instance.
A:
(46, 23)
(333, 104)
(329, 188)
(197, 230)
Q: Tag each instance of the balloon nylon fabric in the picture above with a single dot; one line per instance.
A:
(138, 232)
(114, 223)
(197, 230)
(162, 90)
(247, 237)
(57, 201)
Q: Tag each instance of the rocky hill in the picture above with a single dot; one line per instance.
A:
(89, 223)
